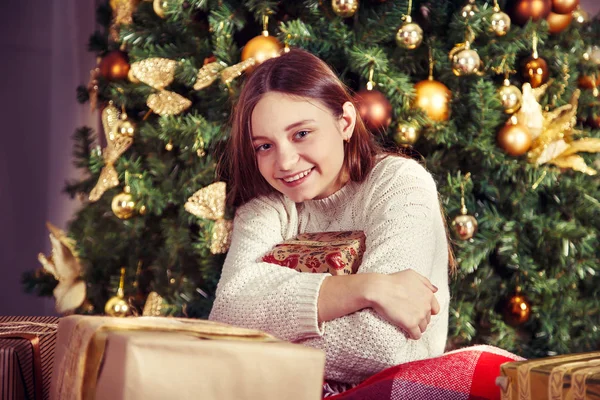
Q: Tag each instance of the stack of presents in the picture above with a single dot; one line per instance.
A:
(93, 357)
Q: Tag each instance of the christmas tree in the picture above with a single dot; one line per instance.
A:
(498, 99)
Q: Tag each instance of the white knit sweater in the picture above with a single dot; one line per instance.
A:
(397, 207)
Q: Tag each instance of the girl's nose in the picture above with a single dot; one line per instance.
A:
(287, 157)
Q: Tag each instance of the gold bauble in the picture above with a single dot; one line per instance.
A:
(535, 70)
(126, 128)
(469, 11)
(564, 6)
(123, 205)
(465, 62)
(409, 36)
(558, 22)
(464, 226)
(160, 6)
(116, 307)
(510, 97)
(406, 133)
(434, 98)
(261, 48)
(517, 310)
(344, 8)
(500, 23)
(514, 138)
(581, 16)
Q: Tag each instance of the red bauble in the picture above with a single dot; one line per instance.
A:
(564, 6)
(374, 109)
(522, 10)
(588, 82)
(535, 70)
(114, 65)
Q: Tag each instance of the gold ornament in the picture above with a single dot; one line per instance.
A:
(410, 35)
(555, 144)
(168, 103)
(160, 6)
(558, 22)
(406, 134)
(153, 305)
(530, 114)
(517, 310)
(155, 72)
(535, 70)
(500, 22)
(209, 203)
(344, 8)
(261, 48)
(122, 11)
(434, 98)
(510, 97)
(581, 16)
(169, 146)
(564, 6)
(116, 145)
(123, 205)
(114, 65)
(207, 75)
(234, 71)
(465, 61)
(116, 306)
(469, 11)
(125, 127)
(464, 225)
(65, 266)
(514, 138)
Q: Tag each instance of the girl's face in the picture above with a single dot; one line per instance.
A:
(299, 145)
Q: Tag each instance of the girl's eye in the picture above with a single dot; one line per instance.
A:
(262, 147)
(301, 134)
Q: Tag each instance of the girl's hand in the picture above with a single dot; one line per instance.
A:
(405, 299)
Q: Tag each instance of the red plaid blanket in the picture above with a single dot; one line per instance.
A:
(464, 374)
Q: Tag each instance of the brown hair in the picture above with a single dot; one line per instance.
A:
(281, 74)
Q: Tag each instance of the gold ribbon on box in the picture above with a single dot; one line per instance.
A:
(555, 143)
(209, 203)
(78, 371)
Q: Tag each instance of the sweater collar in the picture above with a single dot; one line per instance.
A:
(333, 201)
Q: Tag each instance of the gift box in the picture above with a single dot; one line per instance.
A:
(26, 356)
(569, 377)
(172, 358)
(338, 253)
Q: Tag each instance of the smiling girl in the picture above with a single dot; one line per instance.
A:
(301, 160)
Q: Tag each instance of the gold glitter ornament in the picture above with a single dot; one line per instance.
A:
(155, 72)
(464, 225)
(499, 22)
(116, 145)
(153, 305)
(510, 97)
(123, 205)
(159, 7)
(230, 73)
(122, 11)
(406, 134)
(221, 236)
(65, 266)
(410, 35)
(116, 306)
(344, 8)
(207, 75)
(168, 103)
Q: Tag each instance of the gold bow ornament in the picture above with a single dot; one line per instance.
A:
(64, 265)
(209, 203)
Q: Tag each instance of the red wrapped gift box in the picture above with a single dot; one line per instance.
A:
(339, 253)
(26, 357)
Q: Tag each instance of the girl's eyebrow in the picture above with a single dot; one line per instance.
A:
(287, 128)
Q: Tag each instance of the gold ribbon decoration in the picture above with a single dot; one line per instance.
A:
(155, 71)
(116, 145)
(207, 75)
(122, 11)
(168, 103)
(230, 73)
(64, 265)
(209, 203)
(555, 143)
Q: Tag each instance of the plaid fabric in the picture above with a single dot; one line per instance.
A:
(464, 374)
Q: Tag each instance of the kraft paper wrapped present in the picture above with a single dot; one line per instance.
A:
(568, 377)
(339, 253)
(171, 358)
(26, 354)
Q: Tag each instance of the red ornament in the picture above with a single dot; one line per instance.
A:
(374, 108)
(535, 70)
(114, 65)
(522, 11)
(564, 6)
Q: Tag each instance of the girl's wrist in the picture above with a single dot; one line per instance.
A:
(369, 289)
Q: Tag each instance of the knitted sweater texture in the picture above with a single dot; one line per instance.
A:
(397, 207)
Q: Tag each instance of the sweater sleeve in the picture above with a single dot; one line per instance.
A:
(259, 295)
(404, 229)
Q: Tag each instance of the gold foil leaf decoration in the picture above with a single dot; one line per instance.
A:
(122, 11)
(208, 202)
(156, 72)
(221, 236)
(168, 103)
(153, 305)
(230, 73)
(207, 75)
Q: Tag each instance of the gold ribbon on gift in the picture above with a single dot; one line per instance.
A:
(555, 144)
(209, 203)
(116, 145)
(77, 372)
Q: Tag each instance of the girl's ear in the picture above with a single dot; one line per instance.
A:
(348, 120)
